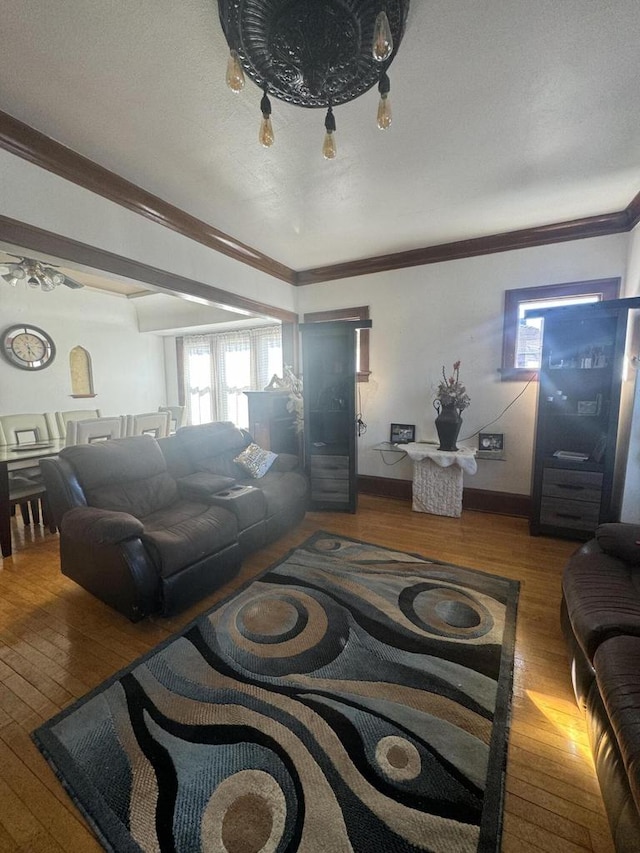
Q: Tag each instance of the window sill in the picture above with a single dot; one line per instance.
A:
(518, 374)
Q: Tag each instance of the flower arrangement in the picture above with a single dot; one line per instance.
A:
(295, 403)
(451, 392)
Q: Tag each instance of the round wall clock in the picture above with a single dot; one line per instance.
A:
(27, 347)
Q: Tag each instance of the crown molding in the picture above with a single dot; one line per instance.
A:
(32, 145)
(39, 241)
(576, 229)
(633, 211)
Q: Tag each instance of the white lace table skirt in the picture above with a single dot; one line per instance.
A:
(437, 490)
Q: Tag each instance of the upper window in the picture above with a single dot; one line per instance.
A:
(362, 335)
(219, 368)
(522, 336)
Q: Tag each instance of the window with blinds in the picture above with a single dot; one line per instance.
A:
(219, 368)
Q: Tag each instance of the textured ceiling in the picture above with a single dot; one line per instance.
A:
(506, 115)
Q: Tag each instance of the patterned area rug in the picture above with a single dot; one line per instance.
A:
(353, 698)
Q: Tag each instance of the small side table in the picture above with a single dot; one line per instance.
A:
(437, 477)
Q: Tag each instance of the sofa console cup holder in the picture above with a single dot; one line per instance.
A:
(232, 491)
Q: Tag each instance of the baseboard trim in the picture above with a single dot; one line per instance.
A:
(479, 500)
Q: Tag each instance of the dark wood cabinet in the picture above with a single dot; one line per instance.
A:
(329, 390)
(584, 408)
(270, 424)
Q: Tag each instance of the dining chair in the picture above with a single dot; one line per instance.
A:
(95, 429)
(177, 416)
(149, 423)
(26, 487)
(63, 418)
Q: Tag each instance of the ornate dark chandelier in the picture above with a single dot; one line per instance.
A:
(313, 53)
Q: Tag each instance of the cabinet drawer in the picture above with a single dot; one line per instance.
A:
(329, 473)
(329, 489)
(572, 485)
(577, 515)
(333, 463)
(332, 467)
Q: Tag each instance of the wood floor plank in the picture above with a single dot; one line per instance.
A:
(580, 774)
(63, 826)
(22, 825)
(57, 642)
(557, 805)
(573, 795)
(532, 833)
(555, 824)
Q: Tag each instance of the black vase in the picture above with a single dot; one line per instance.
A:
(448, 424)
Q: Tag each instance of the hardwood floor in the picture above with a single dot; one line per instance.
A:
(57, 642)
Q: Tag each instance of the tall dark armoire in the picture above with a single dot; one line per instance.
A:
(584, 414)
(329, 390)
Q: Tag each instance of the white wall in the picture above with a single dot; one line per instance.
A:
(430, 316)
(128, 367)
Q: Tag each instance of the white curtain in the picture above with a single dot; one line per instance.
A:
(220, 367)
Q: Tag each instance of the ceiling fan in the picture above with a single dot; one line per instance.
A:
(37, 274)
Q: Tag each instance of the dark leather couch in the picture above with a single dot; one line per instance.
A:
(601, 623)
(152, 525)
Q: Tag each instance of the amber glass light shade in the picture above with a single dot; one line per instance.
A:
(266, 137)
(329, 149)
(384, 112)
(235, 74)
(382, 38)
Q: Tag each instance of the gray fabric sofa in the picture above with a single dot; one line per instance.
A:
(151, 526)
(201, 459)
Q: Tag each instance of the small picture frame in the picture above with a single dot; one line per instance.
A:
(26, 436)
(402, 433)
(588, 407)
(493, 441)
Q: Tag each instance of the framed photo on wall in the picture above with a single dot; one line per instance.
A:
(491, 441)
(402, 433)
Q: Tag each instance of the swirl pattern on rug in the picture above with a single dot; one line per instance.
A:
(353, 698)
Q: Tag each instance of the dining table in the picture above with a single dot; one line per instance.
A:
(15, 458)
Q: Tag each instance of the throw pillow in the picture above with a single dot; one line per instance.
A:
(255, 460)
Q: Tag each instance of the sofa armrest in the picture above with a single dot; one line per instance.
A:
(286, 462)
(93, 526)
(621, 540)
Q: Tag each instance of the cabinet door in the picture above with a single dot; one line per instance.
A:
(329, 377)
(579, 409)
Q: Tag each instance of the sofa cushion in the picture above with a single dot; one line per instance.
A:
(620, 540)
(286, 462)
(202, 484)
(602, 594)
(123, 474)
(213, 447)
(617, 665)
(282, 490)
(255, 460)
(186, 532)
